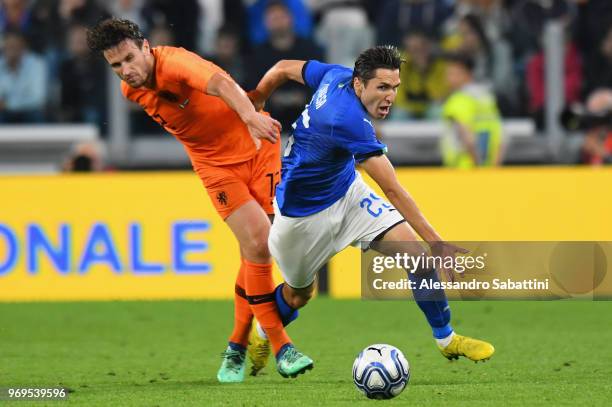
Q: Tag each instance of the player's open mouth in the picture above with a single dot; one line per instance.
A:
(384, 109)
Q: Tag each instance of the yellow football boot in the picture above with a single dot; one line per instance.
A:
(258, 350)
(471, 348)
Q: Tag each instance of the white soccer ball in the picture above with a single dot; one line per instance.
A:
(381, 371)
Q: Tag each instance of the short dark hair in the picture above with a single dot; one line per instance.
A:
(382, 56)
(110, 32)
(460, 58)
(276, 3)
(82, 163)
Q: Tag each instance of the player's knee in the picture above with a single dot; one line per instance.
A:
(257, 248)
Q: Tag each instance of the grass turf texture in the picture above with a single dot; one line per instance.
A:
(167, 353)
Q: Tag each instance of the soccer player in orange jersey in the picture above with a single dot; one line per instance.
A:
(200, 105)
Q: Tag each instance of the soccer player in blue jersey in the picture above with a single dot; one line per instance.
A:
(322, 204)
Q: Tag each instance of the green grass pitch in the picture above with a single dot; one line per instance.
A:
(167, 353)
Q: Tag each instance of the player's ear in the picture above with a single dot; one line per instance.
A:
(146, 48)
(358, 86)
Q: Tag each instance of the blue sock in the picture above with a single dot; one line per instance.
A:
(236, 346)
(286, 313)
(433, 303)
(283, 350)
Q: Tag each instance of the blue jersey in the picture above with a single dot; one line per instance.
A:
(332, 133)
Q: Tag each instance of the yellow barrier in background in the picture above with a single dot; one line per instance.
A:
(156, 235)
(522, 204)
(113, 236)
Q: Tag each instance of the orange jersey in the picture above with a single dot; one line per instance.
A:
(212, 133)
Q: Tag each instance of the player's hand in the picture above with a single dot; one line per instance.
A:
(444, 250)
(257, 99)
(264, 127)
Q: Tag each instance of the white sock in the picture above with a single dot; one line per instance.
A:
(261, 331)
(444, 342)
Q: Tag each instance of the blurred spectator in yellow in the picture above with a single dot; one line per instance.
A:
(227, 53)
(23, 82)
(82, 82)
(473, 135)
(597, 147)
(288, 101)
(493, 59)
(423, 79)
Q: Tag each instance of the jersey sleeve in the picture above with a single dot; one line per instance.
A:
(125, 90)
(187, 67)
(129, 93)
(313, 72)
(359, 137)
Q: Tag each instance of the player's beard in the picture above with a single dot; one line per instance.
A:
(136, 81)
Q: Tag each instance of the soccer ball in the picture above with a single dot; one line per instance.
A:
(381, 371)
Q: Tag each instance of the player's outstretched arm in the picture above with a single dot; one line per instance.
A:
(382, 172)
(283, 71)
(260, 126)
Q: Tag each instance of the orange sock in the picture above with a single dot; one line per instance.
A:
(243, 316)
(260, 291)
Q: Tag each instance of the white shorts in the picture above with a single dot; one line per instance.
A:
(301, 246)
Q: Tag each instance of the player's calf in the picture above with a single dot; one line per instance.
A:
(285, 309)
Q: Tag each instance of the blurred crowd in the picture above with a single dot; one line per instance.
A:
(48, 75)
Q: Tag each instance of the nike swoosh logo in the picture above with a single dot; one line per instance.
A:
(368, 122)
(185, 103)
(257, 300)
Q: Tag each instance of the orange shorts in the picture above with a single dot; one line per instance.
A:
(231, 186)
